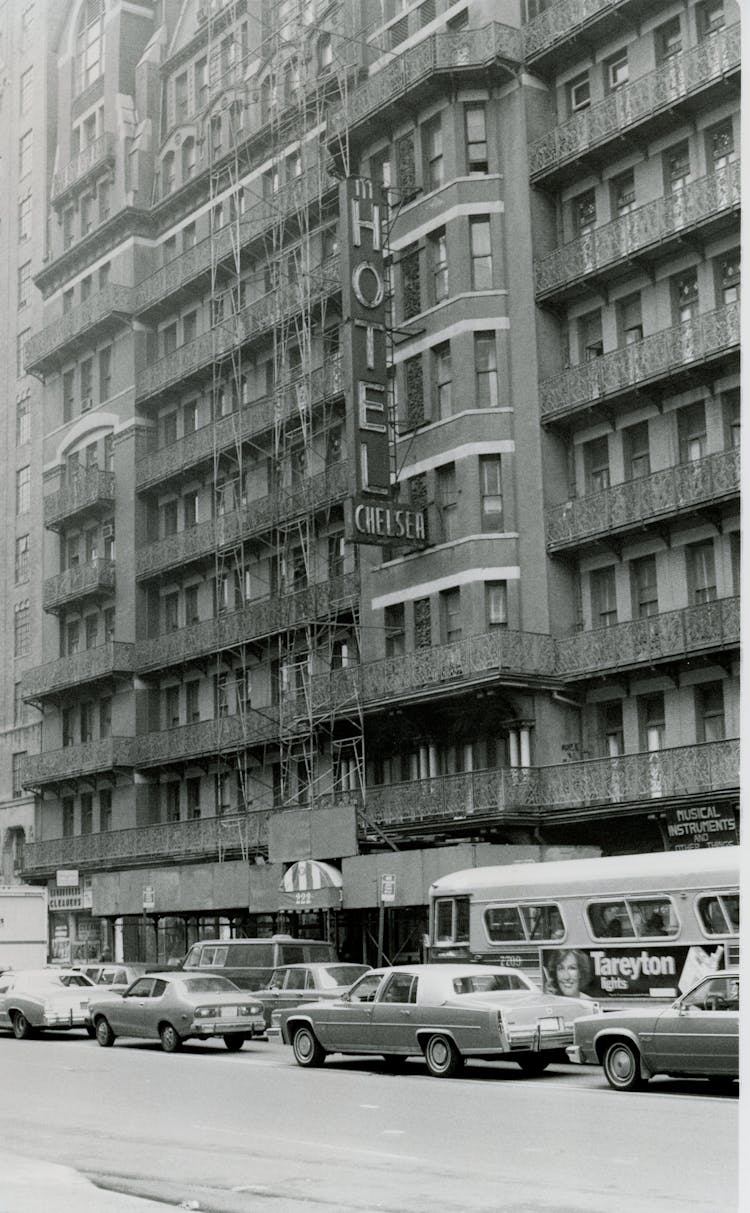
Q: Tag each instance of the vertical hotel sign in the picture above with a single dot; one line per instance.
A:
(373, 514)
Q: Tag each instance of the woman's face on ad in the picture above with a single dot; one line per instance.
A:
(568, 978)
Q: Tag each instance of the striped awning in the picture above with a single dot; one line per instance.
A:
(311, 884)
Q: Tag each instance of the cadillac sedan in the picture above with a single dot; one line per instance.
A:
(697, 1036)
(445, 1013)
(173, 1007)
(33, 1000)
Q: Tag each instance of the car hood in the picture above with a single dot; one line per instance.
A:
(636, 1018)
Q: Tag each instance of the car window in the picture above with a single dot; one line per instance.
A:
(503, 923)
(291, 954)
(76, 979)
(543, 921)
(141, 988)
(318, 951)
(159, 988)
(654, 916)
(485, 983)
(249, 955)
(715, 994)
(106, 977)
(295, 979)
(401, 987)
(277, 979)
(208, 985)
(366, 989)
(720, 913)
(193, 958)
(339, 975)
(610, 920)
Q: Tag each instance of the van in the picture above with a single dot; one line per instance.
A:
(249, 963)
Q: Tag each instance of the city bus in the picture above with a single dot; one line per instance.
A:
(629, 927)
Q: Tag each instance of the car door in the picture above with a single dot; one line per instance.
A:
(298, 987)
(6, 986)
(346, 1023)
(699, 1034)
(394, 1015)
(127, 1015)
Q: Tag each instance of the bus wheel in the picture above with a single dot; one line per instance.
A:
(533, 1064)
(622, 1066)
(442, 1057)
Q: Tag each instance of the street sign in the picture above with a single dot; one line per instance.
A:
(149, 901)
(387, 887)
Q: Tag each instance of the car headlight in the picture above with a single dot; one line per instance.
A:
(249, 1009)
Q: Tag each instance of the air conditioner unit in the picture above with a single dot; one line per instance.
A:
(108, 530)
(86, 403)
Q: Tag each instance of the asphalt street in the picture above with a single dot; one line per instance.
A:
(251, 1133)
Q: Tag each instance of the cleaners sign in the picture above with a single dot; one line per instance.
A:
(373, 515)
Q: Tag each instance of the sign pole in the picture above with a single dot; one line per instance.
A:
(381, 929)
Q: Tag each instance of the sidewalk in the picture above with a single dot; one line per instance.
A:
(30, 1186)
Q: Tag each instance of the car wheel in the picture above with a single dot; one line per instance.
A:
(104, 1034)
(442, 1057)
(22, 1029)
(234, 1041)
(622, 1066)
(307, 1049)
(171, 1041)
(533, 1064)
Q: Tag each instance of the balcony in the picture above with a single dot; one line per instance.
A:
(652, 230)
(98, 155)
(205, 739)
(94, 579)
(200, 542)
(688, 347)
(261, 316)
(100, 314)
(458, 54)
(634, 504)
(76, 762)
(88, 492)
(253, 622)
(638, 782)
(681, 82)
(170, 462)
(186, 271)
(557, 33)
(711, 626)
(200, 839)
(104, 662)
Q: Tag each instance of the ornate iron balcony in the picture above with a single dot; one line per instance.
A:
(103, 661)
(201, 838)
(59, 340)
(91, 160)
(88, 489)
(681, 633)
(157, 466)
(84, 581)
(76, 761)
(258, 317)
(685, 346)
(648, 226)
(637, 102)
(205, 738)
(633, 503)
(542, 793)
(198, 542)
(561, 20)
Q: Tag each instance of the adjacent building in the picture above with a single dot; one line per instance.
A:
(254, 715)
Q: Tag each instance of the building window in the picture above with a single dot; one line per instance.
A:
(25, 145)
(590, 335)
(432, 143)
(691, 432)
(596, 464)
(190, 508)
(21, 629)
(87, 383)
(19, 707)
(438, 246)
(422, 624)
(109, 624)
(171, 707)
(443, 379)
(24, 284)
(481, 255)
(491, 488)
(172, 798)
(325, 52)
(645, 592)
(395, 630)
(584, 213)
(623, 193)
(668, 40)
(729, 277)
(68, 816)
(17, 762)
(105, 810)
(579, 94)
(710, 712)
(701, 572)
(171, 609)
(447, 501)
(24, 218)
(710, 18)
(91, 625)
(677, 167)
(22, 559)
(90, 44)
(192, 702)
(732, 419)
(415, 415)
(651, 720)
(72, 637)
(23, 490)
(23, 421)
(410, 283)
(685, 296)
(87, 722)
(610, 728)
(636, 451)
(475, 118)
(87, 812)
(191, 605)
(193, 797)
(616, 70)
(451, 612)
(21, 340)
(485, 370)
(105, 373)
(496, 604)
(380, 169)
(630, 320)
(603, 598)
(720, 140)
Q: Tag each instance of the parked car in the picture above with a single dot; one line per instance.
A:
(292, 984)
(445, 1012)
(116, 977)
(172, 1007)
(696, 1036)
(32, 1000)
(249, 963)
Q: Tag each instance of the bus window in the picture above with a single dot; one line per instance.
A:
(654, 916)
(610, 920)
(543, 922)
(503, 923)
(452, 920)
(720, 915)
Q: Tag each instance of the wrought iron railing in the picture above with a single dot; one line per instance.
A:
(638, 101)
(93, 577)
(100, 152)
(75, 761)
(77, 669)
(47, 346)
(635, 502)
(561, 20)
(663, 353)
(86, 488)
(205, 738)
(325, 488)
(646, 226)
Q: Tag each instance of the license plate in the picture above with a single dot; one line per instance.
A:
(229, 1012)
(549, 1024)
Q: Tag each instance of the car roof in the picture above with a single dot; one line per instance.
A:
(323, 964)
(449, 970)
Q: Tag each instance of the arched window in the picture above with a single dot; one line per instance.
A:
(188, 158)
(90, 44)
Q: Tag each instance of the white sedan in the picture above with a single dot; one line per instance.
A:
(32, 1000)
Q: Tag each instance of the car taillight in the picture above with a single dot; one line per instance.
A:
(206, 1012)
